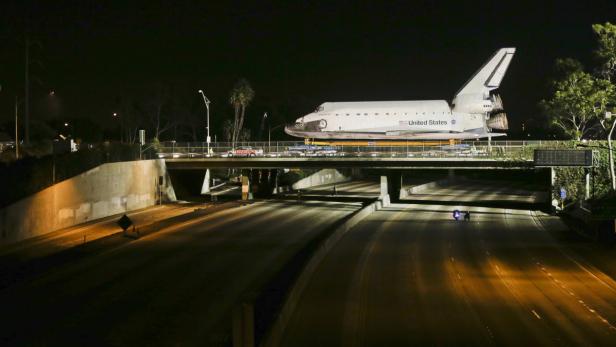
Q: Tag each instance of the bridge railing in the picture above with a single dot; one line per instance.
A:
(507, 149)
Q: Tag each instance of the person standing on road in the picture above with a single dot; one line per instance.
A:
(467, 216)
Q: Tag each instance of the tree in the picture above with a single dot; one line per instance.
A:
(156, 105)
(188, 113)
(606, 96)
(606, 36)
(227, 130)
(130, 120)
(578, 101)
(241, 96)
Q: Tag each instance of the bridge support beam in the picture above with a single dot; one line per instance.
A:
(390, 187)
(395, 183)
(275, 172)
(384, 196)
(246, 185)
(205, 187)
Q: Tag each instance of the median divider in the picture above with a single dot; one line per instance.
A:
(261, 318)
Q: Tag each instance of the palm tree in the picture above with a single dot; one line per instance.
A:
(241, 96)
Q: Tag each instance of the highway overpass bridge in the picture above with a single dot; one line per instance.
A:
(263, 160)
(346, 162)
(371, 155)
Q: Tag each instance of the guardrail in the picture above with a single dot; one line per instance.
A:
(515, 150)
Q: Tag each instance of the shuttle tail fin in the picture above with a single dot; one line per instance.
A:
(490, 75)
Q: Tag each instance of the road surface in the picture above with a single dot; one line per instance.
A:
(63, 239)
(410, 275)
(173, 287)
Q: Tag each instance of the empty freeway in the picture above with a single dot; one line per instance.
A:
(173, 287)
(411, 275)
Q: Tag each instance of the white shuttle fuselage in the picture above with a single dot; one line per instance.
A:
(474, 112)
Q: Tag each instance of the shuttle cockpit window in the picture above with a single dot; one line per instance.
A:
(319, 109)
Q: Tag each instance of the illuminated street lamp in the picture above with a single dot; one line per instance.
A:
(70, 129)
(115, 115)
(207, 106)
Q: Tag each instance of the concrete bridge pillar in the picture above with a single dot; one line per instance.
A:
(395, 183)
(390, 187)
(275, 173)
(246, 185)
(384, 189)
(258, 183)
(205, 187)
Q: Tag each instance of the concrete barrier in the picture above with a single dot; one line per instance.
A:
(421, 188)
(275, 332)
(100, 192)
(321, 177)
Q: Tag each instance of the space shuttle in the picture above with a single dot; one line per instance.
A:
(475, 112)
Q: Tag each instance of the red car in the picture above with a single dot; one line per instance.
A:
(245, 152)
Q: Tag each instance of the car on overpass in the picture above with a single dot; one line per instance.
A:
(245, 151)
(311, 151)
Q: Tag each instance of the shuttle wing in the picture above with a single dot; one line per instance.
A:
(490, 75)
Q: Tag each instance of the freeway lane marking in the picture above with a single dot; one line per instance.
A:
(579, 300)
(589, 269)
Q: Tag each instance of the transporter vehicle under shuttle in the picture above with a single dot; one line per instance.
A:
(474, 113)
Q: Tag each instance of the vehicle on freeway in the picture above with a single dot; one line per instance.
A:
(245, 151)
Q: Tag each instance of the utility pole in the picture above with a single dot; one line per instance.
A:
(27, 93)
(206, 101)
(16, 129)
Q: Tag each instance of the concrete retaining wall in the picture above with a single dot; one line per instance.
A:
(100, 192)
(325, 176)
(421, 188)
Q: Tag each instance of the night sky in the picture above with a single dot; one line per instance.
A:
(296, 54)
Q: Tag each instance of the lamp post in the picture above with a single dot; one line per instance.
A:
(608, 116)
(262, 125)
(269, 135)
(69, 127)
(207, 106)
(16, 129)
(115, 115)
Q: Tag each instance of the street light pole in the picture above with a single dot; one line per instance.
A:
(115, 116)
(608, 116)
(16, 129)
(207, 106)
(269, 135)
